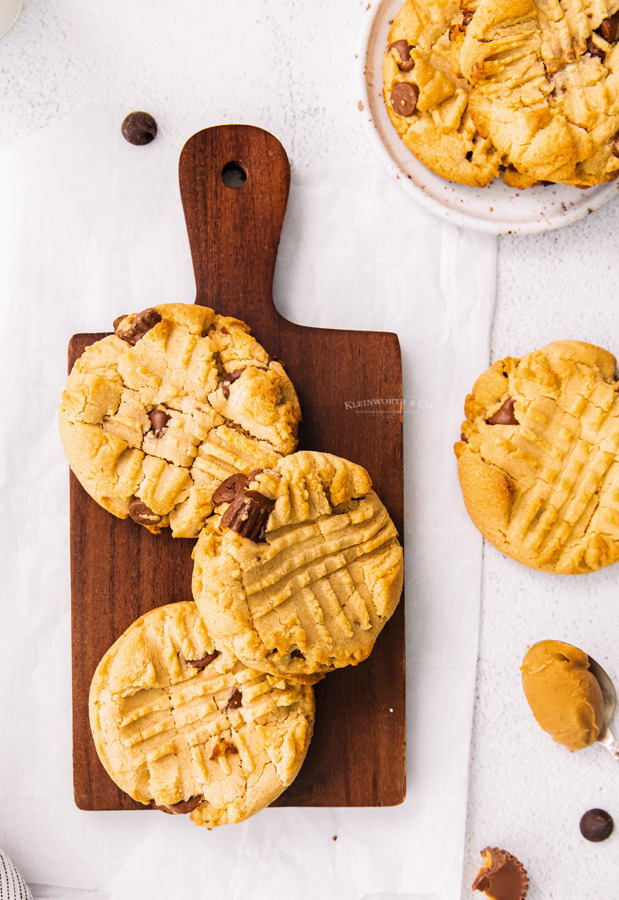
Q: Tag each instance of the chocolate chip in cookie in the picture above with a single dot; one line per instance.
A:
(142, 514)
(181, 808)
(404, 98)
(159, 419)
(594, 50)
(230, 488)
(504, 415)
(228, 380)
(403, 55)
(140, 326)
(609, 28)
(236, 700)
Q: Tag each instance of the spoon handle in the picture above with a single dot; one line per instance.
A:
(611, 744)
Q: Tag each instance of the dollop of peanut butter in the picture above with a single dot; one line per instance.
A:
(564, 696)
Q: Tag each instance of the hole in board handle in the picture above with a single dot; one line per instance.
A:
(233, 175)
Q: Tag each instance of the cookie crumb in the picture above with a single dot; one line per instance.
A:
(334, 838)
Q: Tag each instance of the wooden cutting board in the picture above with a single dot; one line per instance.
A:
(119, 570)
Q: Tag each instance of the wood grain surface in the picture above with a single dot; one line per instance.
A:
(119, 570)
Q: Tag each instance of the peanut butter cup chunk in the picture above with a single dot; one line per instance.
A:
(539, 465)
(300, 572)
(191, 730)
(502, 876)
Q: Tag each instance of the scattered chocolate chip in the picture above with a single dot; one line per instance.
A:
(253, 475)
(142, 514)
(404, 98)
(463, 437)
(594, 50)
(140, 326)
(504, 415)
(139, 128)
(614, 149)
(467, 15)
(181, 808)
(201, 663)
(230, 488)
(334, 838)
(403, 49)
(609, 28)
(159, 419)
(596, 825)
(469, 155)
(235, 700)
(248, 514)
(118, 320)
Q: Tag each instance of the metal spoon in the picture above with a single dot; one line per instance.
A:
(609, 697)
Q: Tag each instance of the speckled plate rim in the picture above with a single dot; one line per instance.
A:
(496, 209)
(8, 22)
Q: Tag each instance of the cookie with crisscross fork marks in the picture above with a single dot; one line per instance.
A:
(539, 457)
(545, 79)
(314, 593)
(190, 729)
(155, 416)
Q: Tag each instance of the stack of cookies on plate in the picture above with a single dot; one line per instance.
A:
(524, 88)
(181, 419)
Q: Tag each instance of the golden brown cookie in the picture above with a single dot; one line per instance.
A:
(156, 415)
(300, 569)
(545, 83)
(539, 457)
(427, 96)
(188, 728)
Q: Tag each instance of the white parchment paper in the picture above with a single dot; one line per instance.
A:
(92, 227)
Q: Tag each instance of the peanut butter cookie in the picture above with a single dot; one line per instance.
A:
(545, 80)
(300, 568)
(427, 96)
(155, 416)
(188, 728)
(539, 458)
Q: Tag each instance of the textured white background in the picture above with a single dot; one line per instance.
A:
(287, 66)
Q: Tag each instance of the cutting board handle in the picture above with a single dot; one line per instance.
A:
(234, 230)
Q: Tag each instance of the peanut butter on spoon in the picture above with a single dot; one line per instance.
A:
(564, 696)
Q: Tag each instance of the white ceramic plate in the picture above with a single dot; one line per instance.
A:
(497, 209)
(9, 11)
